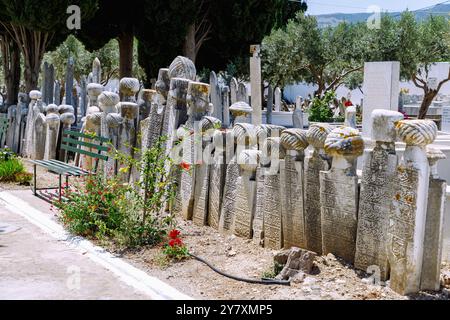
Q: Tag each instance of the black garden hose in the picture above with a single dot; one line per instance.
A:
(262, 281)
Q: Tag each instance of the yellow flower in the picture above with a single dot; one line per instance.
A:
(123, 170)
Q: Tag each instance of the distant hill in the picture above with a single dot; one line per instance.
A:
(334, 18)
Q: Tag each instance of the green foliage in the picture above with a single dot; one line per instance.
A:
(304, 52)
(273, 271)
(320, 110)
(12, 168)
(108, 56)
(129, 215)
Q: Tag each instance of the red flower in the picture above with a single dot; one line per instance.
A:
(173, 234)
(348, 103)
(175, 242)
(186, 166)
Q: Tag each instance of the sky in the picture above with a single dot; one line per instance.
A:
(316, 7)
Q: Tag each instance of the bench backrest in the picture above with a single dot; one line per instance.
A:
(3, 130)
(94, 146)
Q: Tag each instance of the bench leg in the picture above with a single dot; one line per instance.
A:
(34, 182)
(60, 188)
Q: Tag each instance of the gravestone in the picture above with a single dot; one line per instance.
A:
(96, 71)
(445, 120)
(255, 80)
(258, 219)
(57, 96)
(292, 189)
(240, 112)
(19, 126)
(40, 137)
(339, 193)
(226, 106)
(269, 105)
(67, 117)
(83, 96)
(215, 96)
(69, 80)
(297, 115)
(314, 164)
(35, 96)
(277, 99)
(245, 193)
(377, 188)
(221, 140)
(198, 107)
(406, 233)
(234, 88)
(381, 89)
(53, 122)
(350, 117)
(11, 116)
(434, 225)
(273, 153)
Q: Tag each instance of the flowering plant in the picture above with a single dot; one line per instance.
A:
(175, 247)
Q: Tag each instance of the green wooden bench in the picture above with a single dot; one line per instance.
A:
(72, 141)
(3, 130)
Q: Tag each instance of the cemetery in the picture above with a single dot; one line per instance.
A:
(198, 177)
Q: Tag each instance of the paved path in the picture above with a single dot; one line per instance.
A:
(34, 265)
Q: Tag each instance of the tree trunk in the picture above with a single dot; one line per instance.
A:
(189, 47)
(428, 97)
(11, 65)
(126, 54)
(31, 76)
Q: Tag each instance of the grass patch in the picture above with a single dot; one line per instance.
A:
(13, 170)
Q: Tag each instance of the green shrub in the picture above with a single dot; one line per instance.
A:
(12, 168)
(128, 215)
(320, 110)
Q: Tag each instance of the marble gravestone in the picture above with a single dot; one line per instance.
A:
(377, 187)
(273, 153)
(314, 164)
(445, 122)
(245, 193)
(339, 193)
(256, 81)
(381, 90)
(434, 225)
(406, 232)
(245, 138)
(292, 196)
(203, 171)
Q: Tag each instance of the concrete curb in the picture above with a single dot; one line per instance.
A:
(138, 279)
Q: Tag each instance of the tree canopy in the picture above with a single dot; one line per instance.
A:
(331, 56)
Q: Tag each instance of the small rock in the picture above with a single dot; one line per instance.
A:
(308, 281)
(298, 278)
(340, 281)
(331, 257)
(231, 253)
(445, 278)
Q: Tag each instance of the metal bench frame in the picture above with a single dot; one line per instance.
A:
(71, 141)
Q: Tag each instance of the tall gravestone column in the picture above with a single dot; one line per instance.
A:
(52, 121)
(40, 131)
(234, 87)
(377, 187)
(314, 164)
(67, 117)
(198, 107)
(107, 103)
(339, 193)
(273, 153)
(434, 226)
(69, 80)
(406, 233)
(221, 139)
(245, 138)
(31, 117)
(292, 196)
(216, 98)
(255, 79)
(246, 193)
(269, 105)
(226, 106)
(297, 115)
